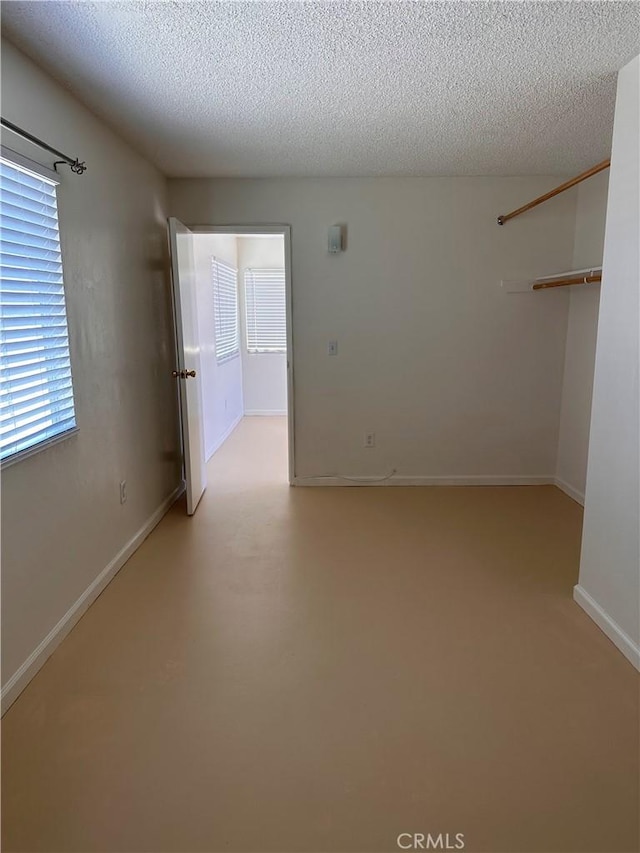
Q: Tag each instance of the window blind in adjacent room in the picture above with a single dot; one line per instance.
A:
(265, 296)
(225, 304)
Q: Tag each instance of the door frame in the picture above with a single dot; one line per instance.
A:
(285, 231)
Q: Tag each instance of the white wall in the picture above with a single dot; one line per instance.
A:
(456, 377)
(62, 522)
(264, 373)
(221, 383)
(609, 587)
(579, 363)
(591, 212)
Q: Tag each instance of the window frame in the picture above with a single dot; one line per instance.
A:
(23, 163)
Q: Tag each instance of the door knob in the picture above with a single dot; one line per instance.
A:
(183, 374)
(189, 373)
(176, 373)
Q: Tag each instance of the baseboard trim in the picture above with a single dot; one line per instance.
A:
(606, 624)
(39, 656)
(220, 441)
(404, 480)
(570, 490)
(253, 413)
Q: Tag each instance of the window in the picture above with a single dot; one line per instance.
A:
(36, 393)
(225, 305)
(266, 310)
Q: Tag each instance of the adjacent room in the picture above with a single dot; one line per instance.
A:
(241, 307)
(232, 318)
(320, 426)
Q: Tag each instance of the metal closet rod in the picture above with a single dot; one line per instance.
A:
(566, 186)
(76, 166)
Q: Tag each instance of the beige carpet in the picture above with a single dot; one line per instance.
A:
(325, 669)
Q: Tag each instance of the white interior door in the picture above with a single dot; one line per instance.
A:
(188, 373)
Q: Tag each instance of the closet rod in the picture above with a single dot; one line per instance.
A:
(564, 282)
(567, 185)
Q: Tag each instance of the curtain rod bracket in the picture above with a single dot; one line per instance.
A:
(76, 166)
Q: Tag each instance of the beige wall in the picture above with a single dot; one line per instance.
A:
(455, 376)
(62, 521)
(580, 353)
(264, 374)
(609, 586)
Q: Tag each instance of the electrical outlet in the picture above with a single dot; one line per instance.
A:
(123, 492)
(332, 348)
(369, 439)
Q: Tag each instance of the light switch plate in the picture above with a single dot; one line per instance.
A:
(335, 239)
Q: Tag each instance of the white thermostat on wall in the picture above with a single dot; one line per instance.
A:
(335, 239)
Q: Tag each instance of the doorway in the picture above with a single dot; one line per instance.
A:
(241, 296)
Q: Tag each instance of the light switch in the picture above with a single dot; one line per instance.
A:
(332, 348)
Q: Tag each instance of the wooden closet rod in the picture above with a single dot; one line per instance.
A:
(578, 179)
(564, 282)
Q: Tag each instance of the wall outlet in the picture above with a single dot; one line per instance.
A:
(123, 492)
(332, 348)
(369, 439)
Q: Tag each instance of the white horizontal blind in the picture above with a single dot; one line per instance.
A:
(225, 304)
(36, 393)
(266, 310)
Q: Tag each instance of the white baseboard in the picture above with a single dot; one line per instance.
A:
(405, 480)
(220, 441)
(38, 657)
(570, 490)
(456, 480)
(606, 624)
(252, 413)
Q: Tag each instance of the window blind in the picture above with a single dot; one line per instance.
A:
(266, 310)
(36, 392)
(225, 304)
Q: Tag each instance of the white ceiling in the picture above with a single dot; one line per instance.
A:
(342, 88)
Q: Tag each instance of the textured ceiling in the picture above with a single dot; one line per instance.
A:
(342, 88)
